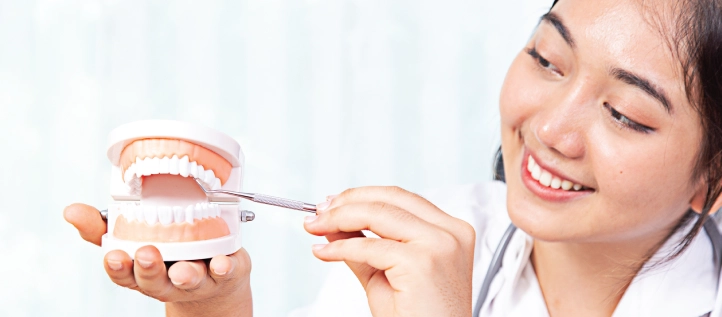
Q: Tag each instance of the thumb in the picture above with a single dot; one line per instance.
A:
(87, 220)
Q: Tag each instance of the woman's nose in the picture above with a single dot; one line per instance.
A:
(561, 128)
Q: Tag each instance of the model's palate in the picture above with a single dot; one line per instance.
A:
(546, 178)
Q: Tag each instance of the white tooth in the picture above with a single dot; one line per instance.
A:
(138, 167)
(536, 172)
(128, 174)
(556, 182)
(193, 169)
(165, 215)
(216, 184)
(577, 187)
(155, 166)
(198, 212)
(567, 185)
(209, 177)
(189, 214)
(129, 213)
(164, 166)
(178, 214)
(151, 214)
(124, 211)
(530, 164)
(205, 211)
(201, 172)
(173, 165)
(183, 166)
(545, 178)
(147, 166)
(218, 210)
(139, 216)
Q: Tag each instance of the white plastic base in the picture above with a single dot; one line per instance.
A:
(177, 251)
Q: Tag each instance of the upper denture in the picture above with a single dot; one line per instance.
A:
(166, 155)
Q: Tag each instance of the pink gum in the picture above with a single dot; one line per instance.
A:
(201, 229)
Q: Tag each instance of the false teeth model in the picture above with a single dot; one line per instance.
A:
(141, 159)
(158, 202)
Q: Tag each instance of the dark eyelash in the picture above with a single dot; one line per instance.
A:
(543, 62)
(626, 122)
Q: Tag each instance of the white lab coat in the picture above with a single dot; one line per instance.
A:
(686, 286)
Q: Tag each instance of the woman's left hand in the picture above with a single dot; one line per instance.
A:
(422, 264)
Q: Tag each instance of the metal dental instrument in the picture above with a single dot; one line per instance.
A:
(263, 199)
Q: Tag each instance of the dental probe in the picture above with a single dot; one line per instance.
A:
(263, 199)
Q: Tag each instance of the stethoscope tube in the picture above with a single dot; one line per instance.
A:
(494, 268)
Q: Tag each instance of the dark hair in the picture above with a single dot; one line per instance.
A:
(697, 43)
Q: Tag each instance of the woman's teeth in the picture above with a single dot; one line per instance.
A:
(547, 179)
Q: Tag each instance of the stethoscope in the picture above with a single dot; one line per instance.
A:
(710, 227)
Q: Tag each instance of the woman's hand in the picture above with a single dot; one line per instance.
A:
(220, 287)
(423, 262)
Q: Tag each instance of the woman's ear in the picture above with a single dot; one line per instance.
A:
(697, 202)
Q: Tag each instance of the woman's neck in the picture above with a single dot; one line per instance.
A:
(588, 279)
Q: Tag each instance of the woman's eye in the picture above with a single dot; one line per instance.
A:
(542, 62)
(626, 122)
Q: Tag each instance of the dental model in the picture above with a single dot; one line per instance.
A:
(156, 199)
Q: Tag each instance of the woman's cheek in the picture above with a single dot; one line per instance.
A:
(520, 97)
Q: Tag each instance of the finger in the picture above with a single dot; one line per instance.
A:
(234, 266)
(119, 267)
(387, 221)
(392, 195)
(360, 269)
(87, 220)
(151, 275)
(344, 235)
(374, 254)
(188, 275)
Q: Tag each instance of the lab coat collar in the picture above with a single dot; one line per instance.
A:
(684, 286)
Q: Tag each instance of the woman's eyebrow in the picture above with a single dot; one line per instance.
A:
(556, 21)
(643, 84)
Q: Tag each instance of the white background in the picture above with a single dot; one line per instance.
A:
(322, 95)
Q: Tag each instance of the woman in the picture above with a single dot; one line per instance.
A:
(611, 134)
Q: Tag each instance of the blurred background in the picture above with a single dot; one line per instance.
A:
(322, 95)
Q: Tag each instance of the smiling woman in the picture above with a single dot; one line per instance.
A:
(611, 124)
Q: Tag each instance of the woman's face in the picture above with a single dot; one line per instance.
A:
(597, 100)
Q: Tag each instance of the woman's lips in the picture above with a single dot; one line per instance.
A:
(561, 190)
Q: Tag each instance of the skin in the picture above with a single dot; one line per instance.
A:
(421, 266)
(555, 109)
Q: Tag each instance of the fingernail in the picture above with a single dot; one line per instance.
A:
(144, 263)
(317, 247)
(176, 283)
(310, 219)
(219, 272)
(323, 206)
(115, 265)
(330, 198)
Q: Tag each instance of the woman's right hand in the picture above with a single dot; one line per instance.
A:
(219, 287)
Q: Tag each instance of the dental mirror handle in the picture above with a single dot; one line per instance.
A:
(283, 202)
